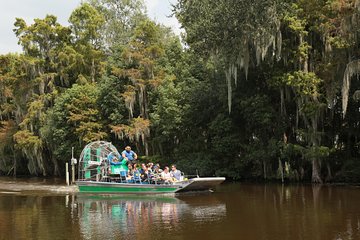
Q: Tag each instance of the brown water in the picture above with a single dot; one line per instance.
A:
(234, 211)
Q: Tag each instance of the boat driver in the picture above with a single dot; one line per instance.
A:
(129, 155)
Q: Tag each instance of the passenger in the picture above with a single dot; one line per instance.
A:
(123, 165)
(155, 173)
(157, 168)
(129, 155)
(130, 171)
(136, 177)
(116, 164)
(145, 174)
(142, 169)
(151, 174)
(113, 158)
(165, 175)
(175, 174)
(135, 167)
(150, 167)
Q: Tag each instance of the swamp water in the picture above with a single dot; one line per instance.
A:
(233, 211)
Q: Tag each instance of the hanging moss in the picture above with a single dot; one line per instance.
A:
(31, 146)
(129, 97)
(352, 69)
(138, 129)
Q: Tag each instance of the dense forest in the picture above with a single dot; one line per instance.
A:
(266, 90)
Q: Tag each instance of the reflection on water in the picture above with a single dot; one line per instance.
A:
(295, 212)
(234, 211)
(35, 217)
(140, 217)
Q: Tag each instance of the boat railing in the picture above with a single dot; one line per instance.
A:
(190, 176)
(99, 171)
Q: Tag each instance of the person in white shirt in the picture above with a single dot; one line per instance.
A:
(165, 175)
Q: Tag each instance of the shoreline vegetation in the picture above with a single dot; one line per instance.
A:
(266, 92)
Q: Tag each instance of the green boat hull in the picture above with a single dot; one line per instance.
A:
(104, 187)
(195, 184)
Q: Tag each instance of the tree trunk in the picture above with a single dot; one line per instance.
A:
(281, 170)
(329, 175)
(282, 102)
(56, 167)
(316, 171)
(161, 149)
(302, 173)
(316, 192)
(14, 164)
(146, 108)
(264, 166)
(146, 148)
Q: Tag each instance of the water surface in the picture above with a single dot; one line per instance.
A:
(234, 211)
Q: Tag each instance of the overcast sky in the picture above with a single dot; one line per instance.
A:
(30, 9)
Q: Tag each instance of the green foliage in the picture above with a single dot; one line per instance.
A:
(305, 84)
(76, 108)
(31, 146)
(110, 101)
(86, 23)
(224, 33)
(317, 152)
(295, 21)
(261, 114)
(26, 140)
(167, 113)
(113, 74)
(121, 18)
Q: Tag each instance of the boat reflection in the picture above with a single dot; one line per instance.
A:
(138, 216)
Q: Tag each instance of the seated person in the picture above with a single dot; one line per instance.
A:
(175, 174)
(135, 167)
(142, 169)
(129, 155)
(150, 167)
(113, 158)
(165, 175)
(157, 168)
(117, 164)
(130, 171)
(136, 177)
(144, 174)
(151, 173)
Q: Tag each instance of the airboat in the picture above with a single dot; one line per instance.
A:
(98, 174)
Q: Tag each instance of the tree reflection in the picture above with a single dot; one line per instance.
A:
(140, 216)
(252, 211)
(294, 212)
(35, 217)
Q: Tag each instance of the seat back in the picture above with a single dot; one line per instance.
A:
(115, 169)
(123, 175)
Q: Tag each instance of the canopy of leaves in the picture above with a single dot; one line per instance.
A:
(254, 90)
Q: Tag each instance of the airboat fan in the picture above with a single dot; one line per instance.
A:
(95, 158)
